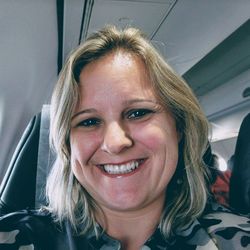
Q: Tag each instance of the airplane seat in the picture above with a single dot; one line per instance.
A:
(24, 182)
(239, 191)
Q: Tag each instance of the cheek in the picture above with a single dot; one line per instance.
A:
(156, 137)
(82, 147)
(163, 144)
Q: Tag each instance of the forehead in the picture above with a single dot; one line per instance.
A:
(120, 70)
(119, 59)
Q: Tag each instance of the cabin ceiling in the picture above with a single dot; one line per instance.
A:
(183, 30)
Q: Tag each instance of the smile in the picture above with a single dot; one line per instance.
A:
(121, 168)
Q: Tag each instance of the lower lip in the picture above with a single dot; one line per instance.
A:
(123, 175)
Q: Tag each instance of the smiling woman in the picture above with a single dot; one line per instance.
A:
(134, 141)
(116, 75)
(130, 138)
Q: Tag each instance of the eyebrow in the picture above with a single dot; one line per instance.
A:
(126, 102)
(83, 112)
(129, 102)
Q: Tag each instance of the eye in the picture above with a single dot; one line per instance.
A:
(138, 113)
(90, 122)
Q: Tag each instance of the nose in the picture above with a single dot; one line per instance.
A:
(115, 139)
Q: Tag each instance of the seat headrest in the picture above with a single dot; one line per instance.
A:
(24, 183)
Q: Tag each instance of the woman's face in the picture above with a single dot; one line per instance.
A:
(124, 144)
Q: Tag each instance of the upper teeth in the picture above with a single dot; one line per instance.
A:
(121, 169)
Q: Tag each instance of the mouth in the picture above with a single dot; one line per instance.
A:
(125, 168)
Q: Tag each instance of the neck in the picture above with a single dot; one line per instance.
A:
(131, 228)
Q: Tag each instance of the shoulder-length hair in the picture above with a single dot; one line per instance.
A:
(186, 194)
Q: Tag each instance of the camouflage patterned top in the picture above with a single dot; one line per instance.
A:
(33, 230)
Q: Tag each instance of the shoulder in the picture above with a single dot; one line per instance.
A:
(22, 228)
(228, 230)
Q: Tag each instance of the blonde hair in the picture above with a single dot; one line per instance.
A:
(187, 192)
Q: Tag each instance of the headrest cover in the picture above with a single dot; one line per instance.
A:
(45, 159)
